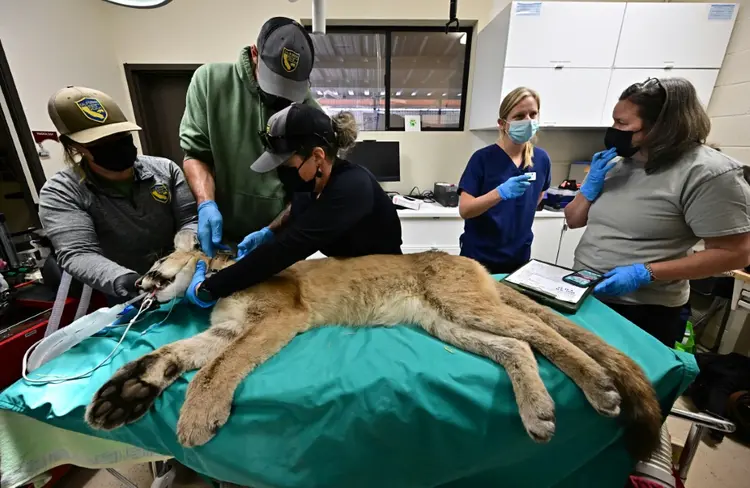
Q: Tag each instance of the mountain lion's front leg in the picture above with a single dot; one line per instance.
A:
(209, 397)
(131, 391)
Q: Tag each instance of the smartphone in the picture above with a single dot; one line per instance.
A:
(583, 278)
(532, 176)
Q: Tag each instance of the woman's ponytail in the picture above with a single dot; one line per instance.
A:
(345, 129)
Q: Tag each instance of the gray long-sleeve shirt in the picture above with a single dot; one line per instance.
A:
(100, 235)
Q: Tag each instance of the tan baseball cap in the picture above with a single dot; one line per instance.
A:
(86, 115)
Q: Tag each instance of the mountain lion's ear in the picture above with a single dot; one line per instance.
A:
(185, 240)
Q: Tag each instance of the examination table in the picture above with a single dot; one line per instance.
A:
(382, 407)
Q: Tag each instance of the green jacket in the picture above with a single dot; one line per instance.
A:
(223, 114)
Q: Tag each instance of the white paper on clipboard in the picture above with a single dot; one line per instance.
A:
(547, 279)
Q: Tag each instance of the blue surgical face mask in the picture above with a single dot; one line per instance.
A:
(521, 131)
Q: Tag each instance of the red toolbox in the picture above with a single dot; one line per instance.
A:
(26, 323)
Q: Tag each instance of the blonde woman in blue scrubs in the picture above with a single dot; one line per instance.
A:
(502, 186)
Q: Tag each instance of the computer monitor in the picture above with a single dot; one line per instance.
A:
(380, 157)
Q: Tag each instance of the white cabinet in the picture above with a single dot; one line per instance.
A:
(420, 234)
(580, 56)
(570, 97)
(703, 80)
(680, 35)
(543, 46)
(433, 227)
(549, 34)
(568, 244)
(547, 230)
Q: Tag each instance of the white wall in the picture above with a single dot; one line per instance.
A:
(730, 105)
(178, 33)
(47, 49)
(54, 43)
(190, 31)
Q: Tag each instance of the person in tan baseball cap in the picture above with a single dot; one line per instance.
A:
(111, 212)
(92, 125)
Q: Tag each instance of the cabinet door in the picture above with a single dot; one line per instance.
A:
(680, 35)
(571, 34)
(570, 97)
(546, 238)
(568, 245)
(431, 233)
(703, 80)
(453, 250)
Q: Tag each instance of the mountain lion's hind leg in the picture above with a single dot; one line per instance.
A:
(133, 388)
(589, 375)
(639, 402)
(535, 406)
(209, 397)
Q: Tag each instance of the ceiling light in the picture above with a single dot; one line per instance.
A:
(320, 93)
(459, 94)
(367, 93)
(382, 94)
(351, 93)
(414, 94)
(398, 93)
(140, 3)
(445, 94)
(429, 94)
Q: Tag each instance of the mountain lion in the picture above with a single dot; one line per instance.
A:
(452, 298)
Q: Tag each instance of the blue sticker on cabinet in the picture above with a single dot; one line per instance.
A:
(529, 8)
(721, 11)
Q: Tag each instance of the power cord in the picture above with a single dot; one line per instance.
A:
(427, 196)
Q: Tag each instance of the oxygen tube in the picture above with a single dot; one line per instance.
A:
(60, 341)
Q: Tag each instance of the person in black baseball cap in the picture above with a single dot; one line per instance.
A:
(338, 207)
(226, 105)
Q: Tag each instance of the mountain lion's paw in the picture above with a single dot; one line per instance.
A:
(200, 419)
(538, 417)
(604, 397)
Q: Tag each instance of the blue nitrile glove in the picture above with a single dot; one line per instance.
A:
(600, 166)
(514, 187)
(623, 280)
(210, 223)
(253, 240)
(198, 277)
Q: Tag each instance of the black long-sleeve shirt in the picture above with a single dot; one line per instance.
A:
(352, 217)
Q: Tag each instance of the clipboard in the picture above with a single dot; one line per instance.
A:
(544, 283)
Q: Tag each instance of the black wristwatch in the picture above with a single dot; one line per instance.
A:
(204, 294)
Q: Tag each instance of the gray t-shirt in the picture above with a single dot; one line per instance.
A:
(640, 218)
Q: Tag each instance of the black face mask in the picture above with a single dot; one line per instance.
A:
(621, 140)
(117, 155)
(293, 182)
(273, 102)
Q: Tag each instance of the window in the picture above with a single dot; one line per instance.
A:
(384, 74)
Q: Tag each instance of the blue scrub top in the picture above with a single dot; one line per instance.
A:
(501, 235)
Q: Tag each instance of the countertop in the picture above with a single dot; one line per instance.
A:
(435, 210)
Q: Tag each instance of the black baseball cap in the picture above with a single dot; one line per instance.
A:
(285, 59)
(297, 126)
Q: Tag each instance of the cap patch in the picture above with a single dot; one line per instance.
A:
(289, 60)
(92, 109)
